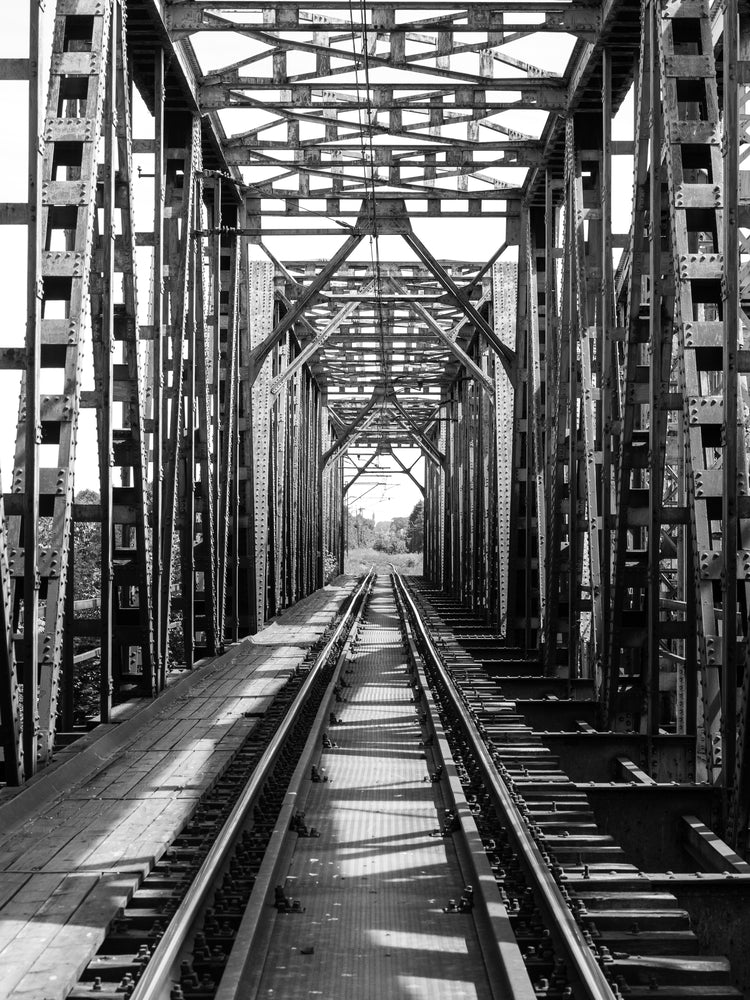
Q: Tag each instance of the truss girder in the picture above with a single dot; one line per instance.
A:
(341, 88)
(582, 409)
(504, 278)
(66, 258)
(127, 637)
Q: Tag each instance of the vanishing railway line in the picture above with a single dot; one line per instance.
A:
(559, 910)
(570, 402)
(176, 935)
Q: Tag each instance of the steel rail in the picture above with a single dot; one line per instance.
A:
(240, 978)
(582, 963)
(504, 963)
(157, 976)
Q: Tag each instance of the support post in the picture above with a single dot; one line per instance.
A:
(730, 533)
(33, 433)
(656, 452)
(106, 400)
(607, 382)
(158, 416)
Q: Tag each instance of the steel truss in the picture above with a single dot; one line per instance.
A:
(642, 437)
(627, 483)
(581, 405)
(194, 491)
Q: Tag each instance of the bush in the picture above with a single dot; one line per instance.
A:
(359, 561)
(389, 544)
(176, 641)
(330, 567)
(86, 675)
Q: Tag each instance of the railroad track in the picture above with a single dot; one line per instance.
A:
(588, 921)
(559, 910)
(175, 937)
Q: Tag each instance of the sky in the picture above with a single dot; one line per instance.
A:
(386, 496)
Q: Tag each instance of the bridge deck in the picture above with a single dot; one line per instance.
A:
(65, 872)
(375, 882)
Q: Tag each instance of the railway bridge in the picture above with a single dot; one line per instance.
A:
(254, 254)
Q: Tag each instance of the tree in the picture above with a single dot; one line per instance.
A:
(87, 570)
(389, 543)
(399, 526)
(415, 529)
(360, 531)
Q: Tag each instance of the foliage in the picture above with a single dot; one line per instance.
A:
(176, 640)
(415, 529)
(87, 552)
(399, 526)
(390, 536)
(330, 566)
(86, 675)
(389, 543)
(359, 561)
(360, 531)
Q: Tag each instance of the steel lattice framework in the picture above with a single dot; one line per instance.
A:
(580, 399)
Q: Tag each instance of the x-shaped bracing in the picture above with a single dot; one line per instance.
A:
(394, 222)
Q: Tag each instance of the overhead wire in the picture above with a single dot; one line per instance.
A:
(368, 155)
(374, 240)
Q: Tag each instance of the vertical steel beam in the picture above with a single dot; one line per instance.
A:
(103, 347)
(551, 580)
(257, 392)
(628, 577)
(736, 63)
(535, 425)
(205, 581)
(11, 734)
(126, 636)
(606, 324)
(524, 415)
(730, 521)
(213, 402)
(241, 335)
(699, 274)
(504, 279)
(158, 397)
(657, 390)
(226, 411)
(33, 419)
(186, 392)
(570, 376)
(67, 682)
(179, 190)
(134, 633)
(65, 271)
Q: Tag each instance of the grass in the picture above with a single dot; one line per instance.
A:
(358, 561)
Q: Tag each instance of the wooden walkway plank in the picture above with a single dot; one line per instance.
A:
(64, 874)
(26, 901)
(45, 915)
(61, 959)
(182, 728)
(128, 766)
(112, 815)
(156, 737)
(159, 780)
(10, 884)
(32, 850)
